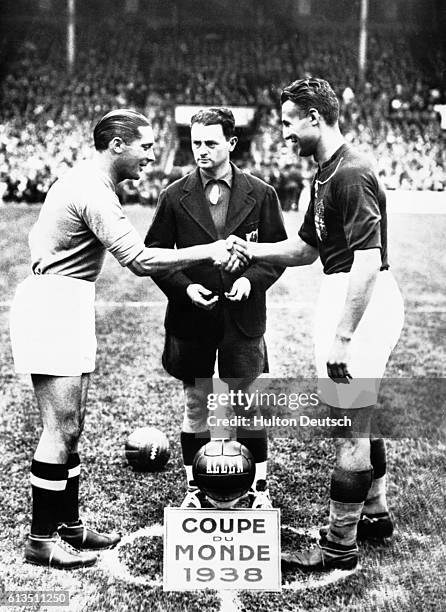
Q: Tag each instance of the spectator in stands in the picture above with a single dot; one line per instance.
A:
(393, 113)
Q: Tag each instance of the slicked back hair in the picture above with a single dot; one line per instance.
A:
(122, 122)
(216, 116)
(313, 93)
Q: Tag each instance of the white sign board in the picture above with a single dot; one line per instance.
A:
(221, 549)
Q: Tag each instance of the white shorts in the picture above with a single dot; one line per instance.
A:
(52, 326)
(371, 344)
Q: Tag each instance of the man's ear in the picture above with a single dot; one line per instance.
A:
(233, 141)
(116, 145)
(314, 115)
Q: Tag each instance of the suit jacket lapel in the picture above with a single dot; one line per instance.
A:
(194, 202)
(240, 203)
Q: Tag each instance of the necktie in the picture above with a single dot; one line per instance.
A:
(214, 193)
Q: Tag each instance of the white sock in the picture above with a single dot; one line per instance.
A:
(189, 475)
(376, 501)
(261, 470)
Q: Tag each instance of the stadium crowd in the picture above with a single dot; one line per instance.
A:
(48, 111)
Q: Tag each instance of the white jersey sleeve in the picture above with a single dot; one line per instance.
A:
(106, 219)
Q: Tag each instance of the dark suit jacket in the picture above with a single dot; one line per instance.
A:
(183, 219)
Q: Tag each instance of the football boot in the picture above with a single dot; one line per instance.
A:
(259, 498)
(195, 498)
(371, 527)
(83, 538)
(324, 557)
(55, 552)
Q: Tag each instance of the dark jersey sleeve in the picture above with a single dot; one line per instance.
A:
(361, 213)
(308, 230)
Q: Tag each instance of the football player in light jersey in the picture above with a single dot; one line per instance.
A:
(53, 323)
(358, 320)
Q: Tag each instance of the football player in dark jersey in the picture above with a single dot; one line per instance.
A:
(359, 316)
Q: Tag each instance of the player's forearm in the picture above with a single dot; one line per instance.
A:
(362, 278)
(154, 260)
(290, 252)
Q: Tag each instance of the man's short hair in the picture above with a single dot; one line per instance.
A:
(313, 93)
(216, 116)
(123, 123)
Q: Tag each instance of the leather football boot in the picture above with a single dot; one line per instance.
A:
(54, 552)
(83, 538)
(372, 527)
(325, 557)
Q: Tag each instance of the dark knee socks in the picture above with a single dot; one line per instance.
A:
(70, 509)
(48, 482)
(190, 445)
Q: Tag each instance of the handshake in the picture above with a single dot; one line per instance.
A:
(231, 255)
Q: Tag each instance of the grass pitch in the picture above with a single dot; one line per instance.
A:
(130, 389)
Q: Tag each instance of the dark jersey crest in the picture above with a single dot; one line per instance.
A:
(319, 220)
(347, 211)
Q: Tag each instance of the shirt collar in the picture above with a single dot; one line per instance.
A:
(207, 178)
(340, 151)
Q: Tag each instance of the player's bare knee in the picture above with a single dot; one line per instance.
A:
(195, 411)
(59, 441)
(70, 429)
(247, 413)
(352, 422)
(195, 419)
(353, 453)
(69, 437)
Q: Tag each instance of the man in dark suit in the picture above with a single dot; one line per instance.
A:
(214, 311)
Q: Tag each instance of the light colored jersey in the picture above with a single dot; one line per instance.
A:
(80, 220)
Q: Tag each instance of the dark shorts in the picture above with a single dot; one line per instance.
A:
(238, 355)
